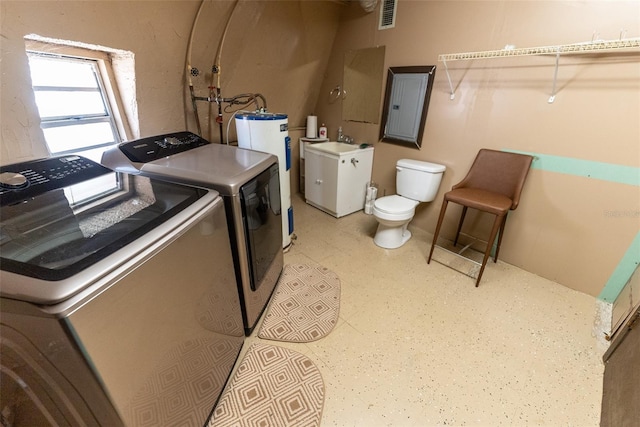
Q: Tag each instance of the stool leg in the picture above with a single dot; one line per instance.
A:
(496, 225)
(435, 234)
(501, 233)
(464, 213)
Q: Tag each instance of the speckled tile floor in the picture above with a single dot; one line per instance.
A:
(419, 345)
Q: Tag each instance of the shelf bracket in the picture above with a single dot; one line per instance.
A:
(452, 93)
(555, 79)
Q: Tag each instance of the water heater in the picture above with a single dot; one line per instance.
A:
(269, 133)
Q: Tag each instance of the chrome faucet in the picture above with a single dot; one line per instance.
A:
(344, 138)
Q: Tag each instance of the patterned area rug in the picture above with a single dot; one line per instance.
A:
(273, 386)
(305, 305)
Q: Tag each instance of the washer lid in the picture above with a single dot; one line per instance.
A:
(395, 204)
(421, 166)
(75, 213)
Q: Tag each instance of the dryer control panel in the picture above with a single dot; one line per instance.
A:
(146, 150)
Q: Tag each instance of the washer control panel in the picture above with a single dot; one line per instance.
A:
(146, 150)
(20, 181)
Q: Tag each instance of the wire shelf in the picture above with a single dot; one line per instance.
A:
(602, 46)
(587, 47)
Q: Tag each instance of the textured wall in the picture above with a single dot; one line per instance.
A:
(279, 49)
(570, 227)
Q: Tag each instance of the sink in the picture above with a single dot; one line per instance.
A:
(334, 147)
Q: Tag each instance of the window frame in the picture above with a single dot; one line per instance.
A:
(102, 62)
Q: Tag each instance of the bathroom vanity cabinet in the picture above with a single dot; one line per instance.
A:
(337, 176)
(304, 143)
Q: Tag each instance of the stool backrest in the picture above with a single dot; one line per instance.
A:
(499, 172)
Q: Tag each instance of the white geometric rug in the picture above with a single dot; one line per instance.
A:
(305, 305)
(272, 387)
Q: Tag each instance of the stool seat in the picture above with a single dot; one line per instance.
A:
(484, 200)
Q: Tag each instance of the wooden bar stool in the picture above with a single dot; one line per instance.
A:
(493, 184)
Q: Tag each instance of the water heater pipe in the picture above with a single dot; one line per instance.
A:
(214, 89)
(189, 69)
(215, 75)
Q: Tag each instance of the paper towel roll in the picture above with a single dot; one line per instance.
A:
(312, 126)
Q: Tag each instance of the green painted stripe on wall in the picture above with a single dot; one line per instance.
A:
(607, 172)
(589, 169)
(622, 273)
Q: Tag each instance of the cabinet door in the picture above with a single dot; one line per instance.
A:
(354, 175)
(621, 384)
(312, 191)
(321, 180)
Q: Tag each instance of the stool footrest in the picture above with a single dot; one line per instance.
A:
(456, 262)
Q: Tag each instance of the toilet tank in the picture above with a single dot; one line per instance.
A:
(418, 180)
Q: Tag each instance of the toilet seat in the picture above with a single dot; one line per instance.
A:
(395, 208)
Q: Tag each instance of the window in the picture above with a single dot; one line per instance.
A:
(78, 89)
(75, 91)
(75, 113)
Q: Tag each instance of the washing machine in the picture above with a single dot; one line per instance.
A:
(249, 184)
(118, 299)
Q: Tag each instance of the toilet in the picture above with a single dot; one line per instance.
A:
(416, 182)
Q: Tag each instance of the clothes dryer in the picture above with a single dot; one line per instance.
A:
(249, 184)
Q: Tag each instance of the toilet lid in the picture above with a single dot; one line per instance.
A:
(395, 204)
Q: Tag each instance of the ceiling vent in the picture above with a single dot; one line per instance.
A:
(388, 14)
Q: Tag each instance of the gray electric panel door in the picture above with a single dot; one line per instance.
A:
(405, 110)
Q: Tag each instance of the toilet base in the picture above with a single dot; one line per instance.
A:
(391, 237)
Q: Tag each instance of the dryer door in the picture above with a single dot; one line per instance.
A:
(261, 211)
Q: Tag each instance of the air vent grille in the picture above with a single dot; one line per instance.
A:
(388, 14)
